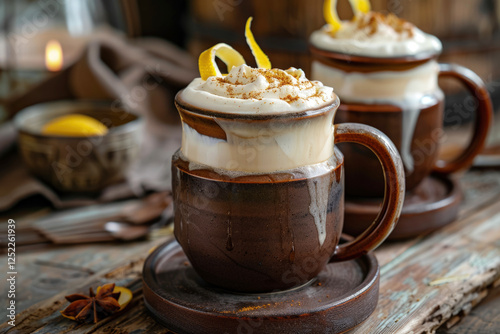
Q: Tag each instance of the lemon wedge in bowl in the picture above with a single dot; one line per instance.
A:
(74, 125)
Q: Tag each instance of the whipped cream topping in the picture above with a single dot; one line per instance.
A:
(250, 90)
(376, 35)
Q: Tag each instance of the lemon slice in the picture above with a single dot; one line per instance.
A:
(206, 62)
(360, 6)
(331, 16)
(125, 296)
(260, 57)
(74, 125)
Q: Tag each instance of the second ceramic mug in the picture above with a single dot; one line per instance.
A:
(268, 231)
(399, 96)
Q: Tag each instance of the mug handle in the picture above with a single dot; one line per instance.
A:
(394, 176)
(483, 120)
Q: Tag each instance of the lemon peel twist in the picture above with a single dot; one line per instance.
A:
(208, 67)
(360, 6)
(206, 62)
(261, 58)
(332, 18)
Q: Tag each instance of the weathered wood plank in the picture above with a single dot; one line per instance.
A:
(481, 188)
(406, 305)
(44, 317)
(44, 274)
(484, 319)
(40, 283)
(439, 277)
(466, 254)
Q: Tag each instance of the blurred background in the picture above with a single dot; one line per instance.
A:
(137, 54)
(469, 29)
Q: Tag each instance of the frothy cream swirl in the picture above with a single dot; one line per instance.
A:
(376, 35)
(263, 91)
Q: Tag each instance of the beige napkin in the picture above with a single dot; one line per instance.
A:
(142, 76)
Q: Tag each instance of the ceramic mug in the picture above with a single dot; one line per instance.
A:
(399, 96)
(272, 230)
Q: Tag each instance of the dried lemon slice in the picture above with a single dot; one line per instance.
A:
(260, 57)
(125, 296)
(224, 52)
(331, 16)
(68, 316)
(74, 125)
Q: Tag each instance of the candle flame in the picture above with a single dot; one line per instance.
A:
(53, 56)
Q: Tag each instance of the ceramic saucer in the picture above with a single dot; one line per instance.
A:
(341, 297)
(433, 204)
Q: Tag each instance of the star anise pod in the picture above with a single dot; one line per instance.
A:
(98, 306)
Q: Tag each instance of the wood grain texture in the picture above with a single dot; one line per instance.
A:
(439, 277)
(484, 319)
(45, 317)
(425, 282)
(43, 274)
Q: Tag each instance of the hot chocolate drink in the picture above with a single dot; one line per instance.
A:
(260, 159)
(385, 71)
(258, 183)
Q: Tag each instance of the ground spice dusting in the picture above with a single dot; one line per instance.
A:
(373, 20)
(252, 308)
(275, 77)
(289, 98)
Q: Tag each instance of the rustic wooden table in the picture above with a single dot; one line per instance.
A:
(427, 284)
(446, 282)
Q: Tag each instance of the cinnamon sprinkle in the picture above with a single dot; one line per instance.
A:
(276, 79)
(289, 98)
(373, 20)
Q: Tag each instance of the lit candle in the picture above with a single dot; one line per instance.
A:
(53, 56)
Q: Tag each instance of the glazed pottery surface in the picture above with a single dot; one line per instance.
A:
(269, 231)
(413, 123)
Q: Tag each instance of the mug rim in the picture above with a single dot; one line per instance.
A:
(312, 112)
(396, 60)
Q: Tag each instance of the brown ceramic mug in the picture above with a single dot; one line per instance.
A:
(276, 230)
(414, 126)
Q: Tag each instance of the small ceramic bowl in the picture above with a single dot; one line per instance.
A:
(78, 164)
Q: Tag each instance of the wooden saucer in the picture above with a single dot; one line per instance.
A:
(341, 297)
(433, 204)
